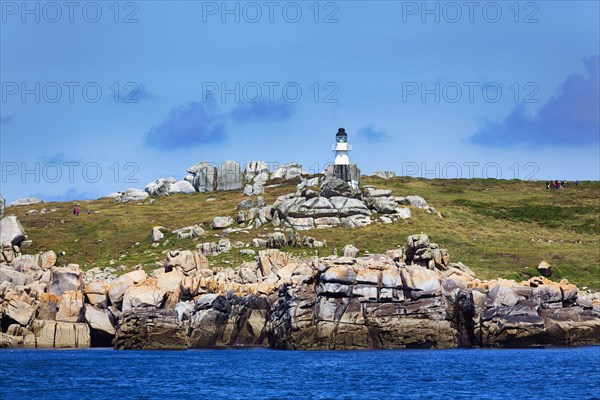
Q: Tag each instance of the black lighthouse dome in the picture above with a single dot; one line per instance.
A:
(341, 136)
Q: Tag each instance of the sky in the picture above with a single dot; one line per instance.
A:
(98, 97)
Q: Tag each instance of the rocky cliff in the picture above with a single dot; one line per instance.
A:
(410, 297)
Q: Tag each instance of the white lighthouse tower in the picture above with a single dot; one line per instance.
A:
(341, 163)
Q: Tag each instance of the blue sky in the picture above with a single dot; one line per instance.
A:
(97, 98)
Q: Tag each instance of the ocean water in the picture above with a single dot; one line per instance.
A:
(565, 373)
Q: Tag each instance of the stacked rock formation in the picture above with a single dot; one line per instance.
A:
(410, 297)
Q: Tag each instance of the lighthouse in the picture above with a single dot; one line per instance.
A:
(341, 163)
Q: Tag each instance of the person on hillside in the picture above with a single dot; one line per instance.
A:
(75, 211)
(89, 211)
(576, 182)
(547, 185)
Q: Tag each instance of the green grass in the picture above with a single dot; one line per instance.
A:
(498, 228)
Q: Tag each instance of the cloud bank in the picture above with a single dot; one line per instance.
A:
(192, 124)
(569, 118)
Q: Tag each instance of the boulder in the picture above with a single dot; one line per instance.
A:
(20, 310)
(47, 259)
(256, 172)
(276, 240)
(230, 176)
(309, 182)
(544, 269)
(287, 171)
(96, 293)
(63, 279)
(11, 231)
(384, 205)
(189, 232)
(159, 187)
(70, 307)
(373, 192)
(205, 177)
(221, 222)
(350, 250)
(336, 187)
(2, 205)
(169, 281)
(189, 262)
(214, 249)
(182, 187)
(245, 204)
(420, 281)
(416, 201)
(357, 221)
(47, 306)
(254, 189)
(143, 296)
(272, 260)
(131, 195)
(117, 288)
(403, 213)
(156, 235)
(101, 323)
(9, 274)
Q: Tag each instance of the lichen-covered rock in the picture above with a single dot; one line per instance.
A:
(228, 321)
(67, 278)
(221, 222)
(204, 177)
(47, 259)
(230, 176)
(130, 195)
(151, 329)
(189, 262)
(70, 307)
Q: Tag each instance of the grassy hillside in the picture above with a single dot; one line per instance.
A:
(498, 228)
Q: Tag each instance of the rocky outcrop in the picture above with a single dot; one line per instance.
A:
(290, 170)
(186, 261)
(130, 195)
(188, 232)
(410, 297)
(67, 278)
(230, 176)
(256, 174)
(151, 329)
(219, 321)
(384, 174)
(167, 186)
(26, 201)
(2, 205)
(204, 177)
(160, 187)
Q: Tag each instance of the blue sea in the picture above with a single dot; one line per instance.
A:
(565, 373)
